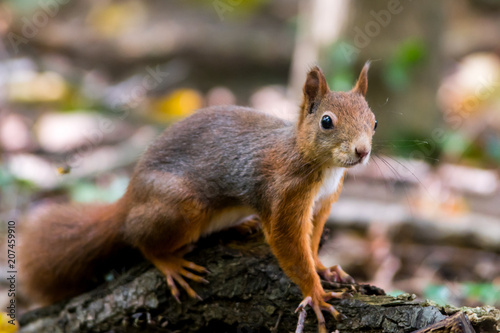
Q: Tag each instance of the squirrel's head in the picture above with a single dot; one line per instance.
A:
(336, 126)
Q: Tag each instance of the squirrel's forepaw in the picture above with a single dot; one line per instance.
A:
(336, 274)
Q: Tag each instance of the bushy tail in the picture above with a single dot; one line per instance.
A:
(63, 248)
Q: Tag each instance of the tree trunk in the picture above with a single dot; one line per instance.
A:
(248, 292)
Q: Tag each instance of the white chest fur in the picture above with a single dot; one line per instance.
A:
(331, 180)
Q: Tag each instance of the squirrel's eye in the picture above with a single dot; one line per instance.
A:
(327, 122)
(375, 127)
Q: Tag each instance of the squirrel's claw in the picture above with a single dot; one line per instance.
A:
(194, 267)
(249, 225)
(338, 295)
(192, 276)
(337, 315)
(342, 275)
(174, 269)
(336, 274)
(186, 286)
(321, 305)
(328, 307)
(307, 301)
(173, 288)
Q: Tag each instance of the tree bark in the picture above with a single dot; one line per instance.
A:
(458, 323)
(248, 292)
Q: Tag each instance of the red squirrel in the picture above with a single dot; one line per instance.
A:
(209, 172)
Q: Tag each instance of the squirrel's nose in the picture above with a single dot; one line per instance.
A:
(362, 152)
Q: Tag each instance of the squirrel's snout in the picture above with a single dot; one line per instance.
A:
(362, 149)
(362, 152)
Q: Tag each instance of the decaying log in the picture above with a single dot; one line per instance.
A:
(458, 323)
(248, 292)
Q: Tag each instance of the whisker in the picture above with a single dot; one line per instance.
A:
(404, 140)
(382, 174)
(381, 144)
(432, 158)
(398, 176)
(412, 173)
(379, 149)
(399, 145)
(394, 171)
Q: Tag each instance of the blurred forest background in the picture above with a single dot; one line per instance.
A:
(85, 85)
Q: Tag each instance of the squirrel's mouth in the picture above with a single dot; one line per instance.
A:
(360, 160)
(351, 161)
(349, 164)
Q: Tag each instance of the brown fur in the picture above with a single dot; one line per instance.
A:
(61, 243)
(204, 171)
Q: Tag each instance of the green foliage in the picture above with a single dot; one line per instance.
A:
(408, 55)
(456, 143)
(11, 183)
(339, 70)
(86, 191)
(460, 147)
(439, 293)
(471, 293)
(5, 178)
(397, 74)
(493, 147)
(410, 144)
(233, 9)
(484, 293)
(24, 6)
(395, 293)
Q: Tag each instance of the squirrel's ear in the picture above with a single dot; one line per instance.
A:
(314, 88)
(362, 85)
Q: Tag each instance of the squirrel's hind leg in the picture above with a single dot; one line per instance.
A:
(176, 268)
(249, 225)
(171, 229)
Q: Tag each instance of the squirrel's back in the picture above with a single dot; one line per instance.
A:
(214, 133)
(219, 150)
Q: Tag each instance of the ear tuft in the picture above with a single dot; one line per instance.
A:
(315, 87)
(362, 85)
